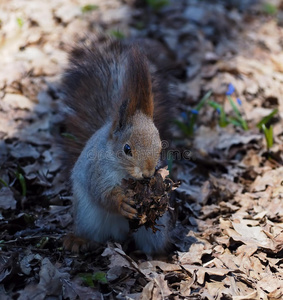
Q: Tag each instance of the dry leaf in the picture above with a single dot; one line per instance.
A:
(192, 256)
(7, 200)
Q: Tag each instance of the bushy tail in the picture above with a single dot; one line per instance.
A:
(90, 86)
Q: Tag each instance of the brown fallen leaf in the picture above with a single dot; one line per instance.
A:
(156, 289)
(74, 290)
(185, 286)
(251, 296)
(7, 199)
(193, 255)
(50, 283)
(252, 235)
(17, 101)
(24, 150)
(211, 140)
(201, 271)
(272, 284)
(115, 258)
(150, 266)
(217, 289)
(119, 258)
(270, 178)
(247, 250)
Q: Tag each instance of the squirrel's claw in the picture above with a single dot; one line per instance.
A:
(127, 209)
(120, 203)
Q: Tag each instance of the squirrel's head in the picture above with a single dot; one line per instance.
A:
(136, 140)
(138, 146)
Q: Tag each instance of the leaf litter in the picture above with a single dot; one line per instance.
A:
(229, 213)
(151, 197)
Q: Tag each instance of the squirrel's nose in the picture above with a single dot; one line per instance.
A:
(148, 173)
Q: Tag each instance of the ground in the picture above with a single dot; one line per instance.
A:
(228, 233)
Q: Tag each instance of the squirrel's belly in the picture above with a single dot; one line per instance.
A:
(98, 225)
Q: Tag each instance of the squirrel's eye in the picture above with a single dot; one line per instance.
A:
(127, 150)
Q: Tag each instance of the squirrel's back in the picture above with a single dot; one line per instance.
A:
(94, 85)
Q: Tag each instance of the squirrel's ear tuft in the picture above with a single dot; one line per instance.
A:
(122, 117)
(123, 114)
(138, 87)
(137, 90)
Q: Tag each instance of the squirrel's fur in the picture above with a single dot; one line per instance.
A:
(115, 98)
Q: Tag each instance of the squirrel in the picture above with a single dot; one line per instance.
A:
(118, 111)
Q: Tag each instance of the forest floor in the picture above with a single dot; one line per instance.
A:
(229, 232)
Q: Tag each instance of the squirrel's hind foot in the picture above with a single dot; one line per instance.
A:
(76, 244)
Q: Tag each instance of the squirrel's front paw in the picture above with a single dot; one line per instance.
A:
(127, 208)
(123, 204)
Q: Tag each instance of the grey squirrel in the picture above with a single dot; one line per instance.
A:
(119, 107)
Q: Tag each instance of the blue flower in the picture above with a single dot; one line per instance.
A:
(184, 115)
(218, 110)
(194, 111)
(231, 89)
(239, 101)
